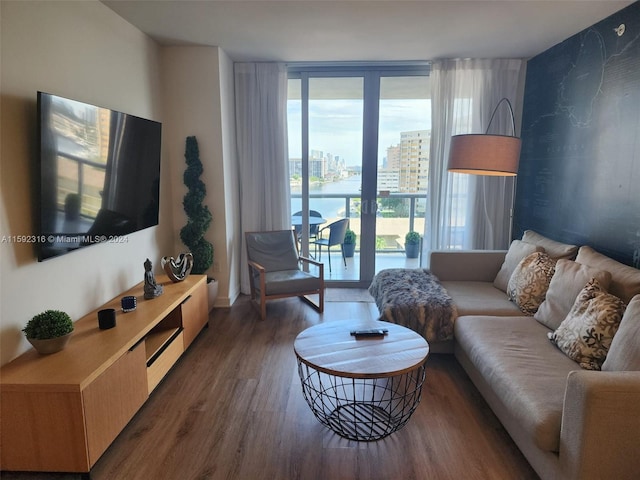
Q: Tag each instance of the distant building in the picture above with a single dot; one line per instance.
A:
(388, 179)
(414, 161)
(393, 157)
(317, 167)
(295, 167)
(405, 168)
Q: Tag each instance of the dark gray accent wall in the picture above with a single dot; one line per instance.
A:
(579, 176)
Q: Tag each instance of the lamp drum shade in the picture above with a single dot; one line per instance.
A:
(482, 154)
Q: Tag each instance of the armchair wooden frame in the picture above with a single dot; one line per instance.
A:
(258, 280)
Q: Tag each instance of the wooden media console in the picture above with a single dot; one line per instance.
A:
(60, 412)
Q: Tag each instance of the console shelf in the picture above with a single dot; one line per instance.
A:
(60, 412)
(155, 342)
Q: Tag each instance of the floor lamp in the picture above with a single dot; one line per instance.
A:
(485, 154)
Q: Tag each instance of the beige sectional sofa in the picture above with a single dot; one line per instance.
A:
(569, 422)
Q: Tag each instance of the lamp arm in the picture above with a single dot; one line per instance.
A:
(513, 120)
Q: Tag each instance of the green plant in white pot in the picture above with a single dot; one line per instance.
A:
(49, 331)
(198, 217)
(412, 244)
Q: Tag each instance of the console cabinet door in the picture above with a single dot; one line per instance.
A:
(195, 313)
(42, 430)
(113, 398)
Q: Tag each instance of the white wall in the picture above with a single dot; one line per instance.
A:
(81, 50)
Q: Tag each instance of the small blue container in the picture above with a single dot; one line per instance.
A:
(129, 303)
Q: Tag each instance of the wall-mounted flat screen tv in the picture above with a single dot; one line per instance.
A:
(99, 175)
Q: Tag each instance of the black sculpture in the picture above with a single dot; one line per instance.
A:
(151, 288)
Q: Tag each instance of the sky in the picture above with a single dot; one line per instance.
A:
(336, 125)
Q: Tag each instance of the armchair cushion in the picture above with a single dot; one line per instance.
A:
(274, 251)
(290, 281)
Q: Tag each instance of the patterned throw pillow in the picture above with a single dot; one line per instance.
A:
(518, 250)
(586, 334)
(530, 280)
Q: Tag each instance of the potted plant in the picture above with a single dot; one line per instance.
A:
(412, 244)
(349, 244)
(198, 217)
(72, 204)
(49, 331)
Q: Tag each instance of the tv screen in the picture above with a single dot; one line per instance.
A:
(99, 175)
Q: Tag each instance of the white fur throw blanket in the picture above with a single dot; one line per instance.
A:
(414, 298)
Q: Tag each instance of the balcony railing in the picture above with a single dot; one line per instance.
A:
(396, 214)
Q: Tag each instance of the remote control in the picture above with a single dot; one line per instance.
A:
(371, 332)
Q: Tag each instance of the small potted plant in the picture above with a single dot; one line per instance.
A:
(349, 244)
(49, 331)
(412, 244)
(72, 204)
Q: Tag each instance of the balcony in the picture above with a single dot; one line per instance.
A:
(352, 271)
(397, 214)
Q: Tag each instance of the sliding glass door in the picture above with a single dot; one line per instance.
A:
(358, 148)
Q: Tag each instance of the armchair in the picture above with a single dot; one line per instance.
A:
(274, 270)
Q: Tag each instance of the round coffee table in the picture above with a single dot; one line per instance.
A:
(361, 388)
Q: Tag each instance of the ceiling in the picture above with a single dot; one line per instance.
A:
(365, 30)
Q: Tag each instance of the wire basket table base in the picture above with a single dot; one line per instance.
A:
(362, 409)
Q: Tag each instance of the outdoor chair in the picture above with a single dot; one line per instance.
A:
(313, 229)
(336, 230)
(275, 270)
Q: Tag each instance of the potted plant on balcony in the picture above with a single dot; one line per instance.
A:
(198, 217)
(412, 244)
(49, 331)
(349, 244)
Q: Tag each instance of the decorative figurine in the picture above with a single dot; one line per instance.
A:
(178, 269)
(151, 288)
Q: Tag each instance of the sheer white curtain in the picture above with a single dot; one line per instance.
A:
(468, 211)
(261, 142)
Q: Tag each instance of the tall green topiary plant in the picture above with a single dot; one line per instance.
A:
(199, 216)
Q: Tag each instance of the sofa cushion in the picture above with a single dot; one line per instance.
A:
(518, 250)
(480, 298)
(624, 352)
(528, 374)
(553, 248)
(529, 282)
(625, 280)
(568, 280)
(586, 334)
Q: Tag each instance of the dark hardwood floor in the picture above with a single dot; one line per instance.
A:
(232, 408)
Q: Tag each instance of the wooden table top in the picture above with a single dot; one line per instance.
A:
(330, 348)
(296, 220)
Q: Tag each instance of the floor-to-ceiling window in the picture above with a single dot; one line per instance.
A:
(359, 149)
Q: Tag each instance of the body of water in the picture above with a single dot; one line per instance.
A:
(328, 207)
